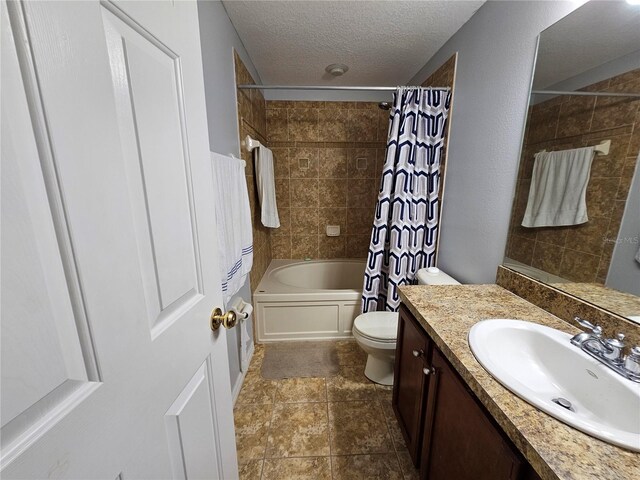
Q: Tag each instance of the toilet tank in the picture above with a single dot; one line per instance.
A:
(435, 276)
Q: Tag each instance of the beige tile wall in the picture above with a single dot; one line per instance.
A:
(583, 252)
(252, 121)
(328, 161)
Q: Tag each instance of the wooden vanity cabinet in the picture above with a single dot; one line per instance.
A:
(459, 438)
(413, 351)
(449, 433)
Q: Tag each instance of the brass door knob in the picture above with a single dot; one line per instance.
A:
(227, 320)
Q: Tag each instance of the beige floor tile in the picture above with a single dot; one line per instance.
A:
(409, 471)
(258, 351)
(392, 423)
(313, 468)
(349, 385)
(358, 427)
(251, 470)
(252, 425)
(355, 467)
(384, 392)
(350, 354)
(301, 390)
(299, 430)
(256, 390)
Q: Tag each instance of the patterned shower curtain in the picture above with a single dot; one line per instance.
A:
(405, 226)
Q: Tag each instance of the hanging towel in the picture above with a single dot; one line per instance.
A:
(557, 196)
(233, 216)
(265, 180)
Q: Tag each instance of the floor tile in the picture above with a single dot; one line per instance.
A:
(384, 392)
(350, 385)
(314, 468)
(358, 427)
(355, 467)
(301, 390)
(256, 390)
(252, 425)
(392, 423)
(350, 354)
(251, 470)
(299, 430)
(409, 471)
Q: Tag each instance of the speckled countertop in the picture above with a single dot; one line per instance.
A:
(555, 450)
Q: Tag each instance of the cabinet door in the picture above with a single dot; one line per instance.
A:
(409, 389)
(459, 439)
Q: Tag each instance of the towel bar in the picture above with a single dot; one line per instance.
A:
(249, 143)
(601, 149)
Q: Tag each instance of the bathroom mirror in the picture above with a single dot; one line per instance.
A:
(582, 59)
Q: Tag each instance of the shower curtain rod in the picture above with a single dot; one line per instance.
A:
(325, 87)
(585, 94)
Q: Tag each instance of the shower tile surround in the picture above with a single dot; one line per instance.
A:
(328, 162)
(580, 253)
(252, 121)
(328, 159)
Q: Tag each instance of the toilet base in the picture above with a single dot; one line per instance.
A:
(379, 370)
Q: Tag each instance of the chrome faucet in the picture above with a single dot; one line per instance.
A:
(608, 351)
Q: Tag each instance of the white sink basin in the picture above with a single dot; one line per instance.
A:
(538, 364)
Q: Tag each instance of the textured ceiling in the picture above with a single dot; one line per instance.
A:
(594, 34)
(382, 42)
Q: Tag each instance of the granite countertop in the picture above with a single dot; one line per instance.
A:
(555, 450)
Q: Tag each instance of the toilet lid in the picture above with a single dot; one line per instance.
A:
(377, 325)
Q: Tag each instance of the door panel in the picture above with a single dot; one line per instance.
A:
(458, 427)
(410, 383)
(107, 289)
(44, 368)
(191, 429)
(147, 81)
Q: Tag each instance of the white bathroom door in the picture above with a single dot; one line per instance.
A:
(109, 262)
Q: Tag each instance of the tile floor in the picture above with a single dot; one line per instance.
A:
(340, 427)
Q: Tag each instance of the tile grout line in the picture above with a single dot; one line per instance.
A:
(326, 393)
(387, 423)
(273, 411)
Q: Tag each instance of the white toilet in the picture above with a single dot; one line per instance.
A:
(376, 332)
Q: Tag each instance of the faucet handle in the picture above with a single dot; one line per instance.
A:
(632, 362)
(596, 329)
(614, 349)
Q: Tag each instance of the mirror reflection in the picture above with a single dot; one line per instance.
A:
(576, 215)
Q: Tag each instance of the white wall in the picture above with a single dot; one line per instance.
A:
(624, 271)
(496, 50)
(218, 38)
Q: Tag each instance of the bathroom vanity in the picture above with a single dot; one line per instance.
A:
(458, 421)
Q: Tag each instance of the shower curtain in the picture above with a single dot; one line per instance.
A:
(405, 226)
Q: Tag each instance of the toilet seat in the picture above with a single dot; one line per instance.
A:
(379, 327)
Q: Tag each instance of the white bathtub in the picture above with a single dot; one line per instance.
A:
(308, 300)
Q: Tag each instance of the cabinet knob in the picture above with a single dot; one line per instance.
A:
(418, 353)
(429, 371)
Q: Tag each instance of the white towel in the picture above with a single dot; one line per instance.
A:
(557, 195)
(265, 179)
(233, 215)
